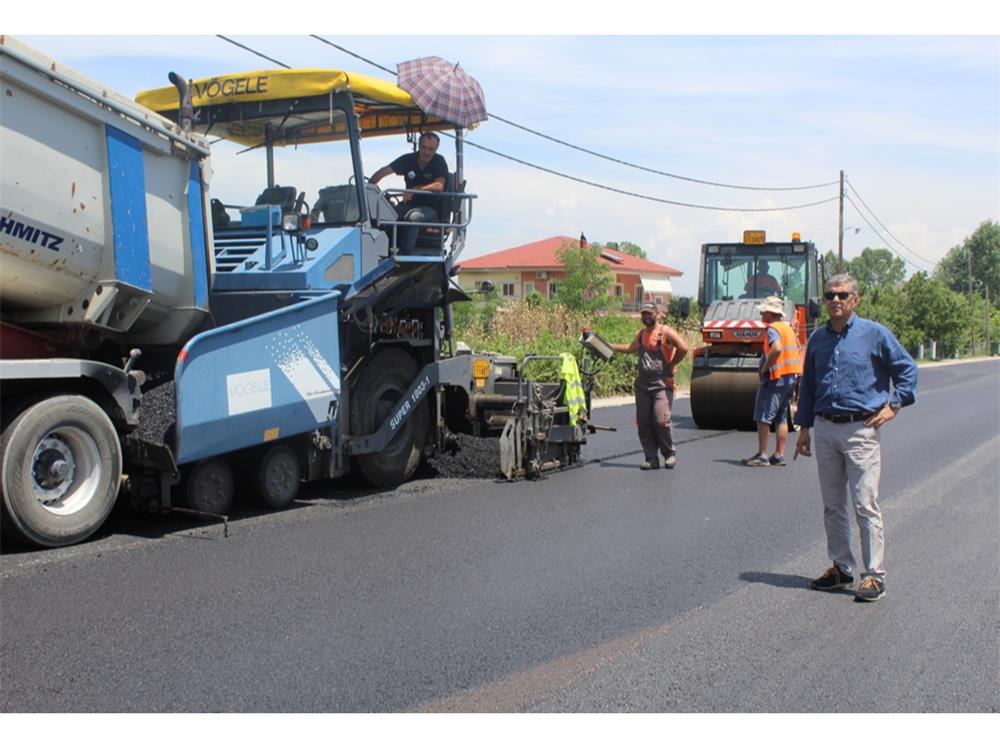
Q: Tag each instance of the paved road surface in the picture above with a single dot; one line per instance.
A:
(601, 588)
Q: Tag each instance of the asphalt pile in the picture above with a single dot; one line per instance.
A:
(158, 413)
(477, 458)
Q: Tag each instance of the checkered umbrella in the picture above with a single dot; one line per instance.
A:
(443, 90)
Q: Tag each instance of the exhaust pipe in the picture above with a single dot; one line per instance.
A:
(185, 112)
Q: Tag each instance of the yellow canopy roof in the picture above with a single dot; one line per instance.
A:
(383, 107)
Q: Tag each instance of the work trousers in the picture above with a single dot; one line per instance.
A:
(848, 457)
(408, 234)
(652, 417)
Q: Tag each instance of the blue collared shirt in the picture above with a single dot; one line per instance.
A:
(851, 371)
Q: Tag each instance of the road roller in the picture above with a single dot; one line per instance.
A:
(734, 280)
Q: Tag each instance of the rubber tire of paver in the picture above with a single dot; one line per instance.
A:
(278, 477)
(384, 378)
(210, 487)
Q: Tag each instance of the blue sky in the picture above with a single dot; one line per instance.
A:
(913, 120)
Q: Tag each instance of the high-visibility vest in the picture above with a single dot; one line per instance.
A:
(789, 361)
(576, 398)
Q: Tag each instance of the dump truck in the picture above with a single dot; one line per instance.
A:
(179, 350)
(734, 279)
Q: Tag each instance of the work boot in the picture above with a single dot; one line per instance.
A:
(832, 579)
(870, 590)
(648, 465)
(670, 461)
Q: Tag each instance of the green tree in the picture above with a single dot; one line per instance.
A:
(937, 312)
(585, 287)
(984, 246)
(890, 306)
(875, 268)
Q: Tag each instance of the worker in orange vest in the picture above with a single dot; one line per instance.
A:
(660, 350)
(780, 368)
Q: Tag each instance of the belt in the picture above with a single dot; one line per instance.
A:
(845, 417)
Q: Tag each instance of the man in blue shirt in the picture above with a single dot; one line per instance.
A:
(845, 397)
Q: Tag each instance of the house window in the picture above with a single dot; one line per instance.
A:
(619, 290)
(529, 287)
(552, 290)
(659, 300)
(508, 289)
(638, 295)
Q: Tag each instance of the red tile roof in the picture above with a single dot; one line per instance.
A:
(541, 255)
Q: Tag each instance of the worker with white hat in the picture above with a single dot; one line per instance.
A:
(780, 367)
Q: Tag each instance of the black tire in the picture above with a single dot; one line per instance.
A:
(384, 379)
(278, 477)
(210, 487)
(61, 470)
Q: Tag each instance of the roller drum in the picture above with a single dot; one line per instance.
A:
(723, 398)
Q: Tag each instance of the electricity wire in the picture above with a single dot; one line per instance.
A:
(884, 240)
(589, 151)
(567, 176)
(854, 190)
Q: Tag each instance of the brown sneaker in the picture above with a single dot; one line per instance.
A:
(870, 590)
(832, 579)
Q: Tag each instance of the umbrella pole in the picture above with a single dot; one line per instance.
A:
(459, 156)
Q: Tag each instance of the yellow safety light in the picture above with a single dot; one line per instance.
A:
(795, 236)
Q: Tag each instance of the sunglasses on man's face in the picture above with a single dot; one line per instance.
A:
(841, 295)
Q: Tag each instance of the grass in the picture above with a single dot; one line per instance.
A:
(523, 328)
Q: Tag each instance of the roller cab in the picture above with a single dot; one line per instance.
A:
(734, 280)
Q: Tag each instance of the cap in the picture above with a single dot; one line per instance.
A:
(773, 304)
(649, 307)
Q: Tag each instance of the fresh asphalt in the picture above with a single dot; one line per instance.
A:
(601, 588)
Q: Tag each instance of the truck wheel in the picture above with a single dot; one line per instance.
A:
(62, 466)
(381, 384)
(210, 487)
(278, 477)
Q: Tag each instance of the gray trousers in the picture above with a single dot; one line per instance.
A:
(849, 459)
(652, 417)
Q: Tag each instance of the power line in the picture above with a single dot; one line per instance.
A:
(884, 240)
(253, 51)
(650, 169)
(854, 190)
(589, 151)
(353, 54)
(646, 197)
(569, 177)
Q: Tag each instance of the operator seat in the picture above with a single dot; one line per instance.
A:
(433, 237)
(278, 195)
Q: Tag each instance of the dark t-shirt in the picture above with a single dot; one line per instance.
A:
(415, 177)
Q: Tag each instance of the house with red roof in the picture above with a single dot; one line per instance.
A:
(519, 271)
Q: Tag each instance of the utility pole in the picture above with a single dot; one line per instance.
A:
(989, 350)
(840, 243)
(972, 307)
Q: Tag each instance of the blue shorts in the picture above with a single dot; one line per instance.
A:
(772, 402)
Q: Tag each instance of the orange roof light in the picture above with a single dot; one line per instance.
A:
(796, 237)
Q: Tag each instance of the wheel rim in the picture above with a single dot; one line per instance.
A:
(66, 470)
(212, 490)
(281, 476)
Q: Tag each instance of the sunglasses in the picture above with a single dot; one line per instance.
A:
(841, 295)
